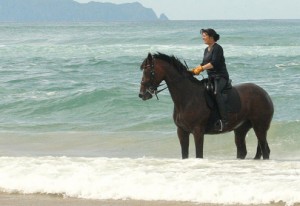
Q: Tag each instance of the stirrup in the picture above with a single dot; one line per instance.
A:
(220, 125)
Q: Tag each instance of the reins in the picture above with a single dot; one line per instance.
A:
(160, 90)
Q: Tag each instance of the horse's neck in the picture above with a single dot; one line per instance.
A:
(182, 89)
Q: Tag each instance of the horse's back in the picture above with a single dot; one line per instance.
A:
(255, 101)
(254, 91)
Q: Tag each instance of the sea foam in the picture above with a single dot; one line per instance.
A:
(199, 181)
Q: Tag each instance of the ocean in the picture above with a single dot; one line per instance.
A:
(71, 122)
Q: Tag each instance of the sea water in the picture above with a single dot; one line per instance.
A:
(71, 122)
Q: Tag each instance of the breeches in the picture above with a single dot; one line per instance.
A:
(220, 84)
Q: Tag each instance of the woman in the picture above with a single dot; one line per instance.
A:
(214, 63)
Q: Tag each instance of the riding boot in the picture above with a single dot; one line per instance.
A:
(223, 112)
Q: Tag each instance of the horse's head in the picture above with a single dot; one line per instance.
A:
(151, 79)
(159, 67)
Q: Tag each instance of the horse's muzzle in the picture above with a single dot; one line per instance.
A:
(145, 95)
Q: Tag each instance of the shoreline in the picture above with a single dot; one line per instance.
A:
(53, 200)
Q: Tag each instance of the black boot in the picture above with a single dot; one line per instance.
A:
(223, 122)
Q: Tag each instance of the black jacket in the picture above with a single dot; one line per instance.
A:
(216, 58)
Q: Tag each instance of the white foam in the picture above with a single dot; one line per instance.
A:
(200, 181)
(259, 51)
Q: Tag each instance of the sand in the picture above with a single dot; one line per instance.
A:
(52, 200)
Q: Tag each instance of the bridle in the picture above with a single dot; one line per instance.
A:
(151, 87)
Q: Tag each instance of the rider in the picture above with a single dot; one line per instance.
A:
(214, 63)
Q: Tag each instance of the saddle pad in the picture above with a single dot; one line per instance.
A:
(231, 97)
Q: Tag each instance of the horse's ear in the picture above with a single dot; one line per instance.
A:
(149, 56)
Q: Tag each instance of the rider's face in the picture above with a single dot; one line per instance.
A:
(207, 39)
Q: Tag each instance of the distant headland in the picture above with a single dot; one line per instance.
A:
(70, 10)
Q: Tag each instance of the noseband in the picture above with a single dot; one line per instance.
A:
(151, 87)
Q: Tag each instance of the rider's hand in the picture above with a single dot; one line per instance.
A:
(197, 70)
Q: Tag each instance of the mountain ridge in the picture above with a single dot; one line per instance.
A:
(70, 10)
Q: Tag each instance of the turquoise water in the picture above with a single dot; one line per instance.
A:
(50, 72)
(72, 90)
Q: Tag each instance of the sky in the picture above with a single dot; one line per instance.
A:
(219, 9)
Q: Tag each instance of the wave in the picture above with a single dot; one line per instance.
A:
(199, 181)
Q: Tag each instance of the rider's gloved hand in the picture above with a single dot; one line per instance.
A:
(197, 70)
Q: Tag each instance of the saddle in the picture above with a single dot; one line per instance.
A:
(231, 99)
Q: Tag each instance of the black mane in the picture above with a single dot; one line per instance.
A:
(177, 64)
(171, 60)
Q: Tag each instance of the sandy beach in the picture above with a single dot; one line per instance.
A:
(51, 200)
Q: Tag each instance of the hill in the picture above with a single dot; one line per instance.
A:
(69, 10)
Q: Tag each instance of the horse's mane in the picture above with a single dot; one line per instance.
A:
(177, 64)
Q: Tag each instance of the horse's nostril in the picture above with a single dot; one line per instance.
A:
(141, 95)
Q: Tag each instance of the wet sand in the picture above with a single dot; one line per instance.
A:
(52, 200)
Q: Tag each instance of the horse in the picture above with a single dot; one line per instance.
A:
(191, 113)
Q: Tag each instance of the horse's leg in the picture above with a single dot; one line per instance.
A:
(258, 152)
(261, 133)
(240, 142)
(199, 140)
(184, 142)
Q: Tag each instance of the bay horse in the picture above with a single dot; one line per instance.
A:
(191, 113)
